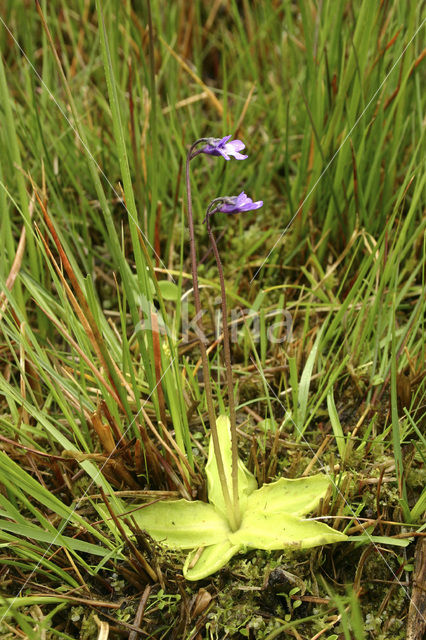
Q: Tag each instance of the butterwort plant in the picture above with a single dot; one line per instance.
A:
(238, 515)
(226, 148)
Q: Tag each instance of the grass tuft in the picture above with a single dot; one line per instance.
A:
(102, 400)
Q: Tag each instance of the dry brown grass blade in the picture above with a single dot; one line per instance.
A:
(112, 422)
(17, 262)
(130, 576)
(151, 457)
(157, 366)
(185, 487)
(82, 355)
(244, 111)
(139, 557)
(317, 455)
(104, 432)
(139, 459)
(416, 622)
(24, 417)
(35, 452)
(134, 635)
(86, 601)
(76, 571)
(417, 61)
(211, 97)
(79, 311)
(81, 307)
(115, 470)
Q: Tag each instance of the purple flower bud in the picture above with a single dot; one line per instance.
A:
(236, 204)
(222, 147)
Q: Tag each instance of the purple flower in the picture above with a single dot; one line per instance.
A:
(222, 147)
(235, 204)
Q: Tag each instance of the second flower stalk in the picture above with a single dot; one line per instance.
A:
(229, 205)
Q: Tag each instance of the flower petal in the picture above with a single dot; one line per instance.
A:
(222, 147)
(250, 206)
(238, 145)
(242, 198)
(222, 153)
(200, 564)
(233, 148)
(239, 203)
(182, 524)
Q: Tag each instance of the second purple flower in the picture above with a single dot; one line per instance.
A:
(237, 204)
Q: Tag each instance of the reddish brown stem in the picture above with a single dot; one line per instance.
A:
(200, 335)
(228, 369)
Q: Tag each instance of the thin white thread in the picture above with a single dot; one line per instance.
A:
(338, 150)
(84, 145)
(337, 488)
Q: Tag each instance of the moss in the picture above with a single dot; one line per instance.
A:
(89, 630)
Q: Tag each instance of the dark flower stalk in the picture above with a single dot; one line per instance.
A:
(234, 204)
(228, 366)
(206, 373)
(226, 148)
